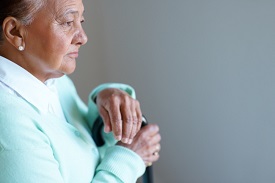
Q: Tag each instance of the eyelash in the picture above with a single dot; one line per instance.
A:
(70, 23)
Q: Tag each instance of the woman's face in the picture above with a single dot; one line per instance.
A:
(53, 39)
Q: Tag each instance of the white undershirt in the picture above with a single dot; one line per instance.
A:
(19, 82)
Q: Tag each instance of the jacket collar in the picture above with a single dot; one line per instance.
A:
(26, 85)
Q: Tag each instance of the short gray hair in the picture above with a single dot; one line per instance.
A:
(23, 10)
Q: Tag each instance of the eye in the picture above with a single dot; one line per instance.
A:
(68, 23)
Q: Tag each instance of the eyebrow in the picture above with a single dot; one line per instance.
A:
(72, 12)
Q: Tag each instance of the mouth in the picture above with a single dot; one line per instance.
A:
(73, 54)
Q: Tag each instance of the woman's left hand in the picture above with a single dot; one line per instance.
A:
(146, 144)
(120, 113)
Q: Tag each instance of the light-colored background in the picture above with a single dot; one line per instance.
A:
(204, 70)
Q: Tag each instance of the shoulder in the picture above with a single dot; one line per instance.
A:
(19, 123)
(11, 106)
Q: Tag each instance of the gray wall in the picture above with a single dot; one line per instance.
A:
(203, 70)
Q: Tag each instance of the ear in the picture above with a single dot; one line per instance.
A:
(13, 32)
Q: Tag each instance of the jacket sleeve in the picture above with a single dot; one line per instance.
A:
(118, 164)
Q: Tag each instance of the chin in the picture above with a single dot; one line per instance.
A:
(67, 73)
(69, 68)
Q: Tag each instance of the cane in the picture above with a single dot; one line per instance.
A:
(148, 175)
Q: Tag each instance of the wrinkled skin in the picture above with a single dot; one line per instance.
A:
(122, 115)
(146, 144)
(120, 112)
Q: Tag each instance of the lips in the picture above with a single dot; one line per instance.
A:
(73, 54)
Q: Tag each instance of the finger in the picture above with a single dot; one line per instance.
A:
(135, 126)
(155, 139)
(149, 130)
(152, 158)
(116, 121)
(139, 116)
(127, 119)
(150, 145)
(152, 150)
(134, 129)
(106, 119)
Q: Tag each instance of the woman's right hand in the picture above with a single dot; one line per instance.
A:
(146, 144)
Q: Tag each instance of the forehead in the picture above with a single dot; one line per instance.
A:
(62, 6)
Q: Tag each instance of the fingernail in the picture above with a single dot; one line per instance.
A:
(130, 141)
(118, 137)
(125, 140)
(106, 129)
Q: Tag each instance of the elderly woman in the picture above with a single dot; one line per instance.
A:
(45, 129)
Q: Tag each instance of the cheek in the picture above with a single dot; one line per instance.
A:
(58, 44)
(48, 44)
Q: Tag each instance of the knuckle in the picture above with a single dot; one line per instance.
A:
(154, 127)
(151, 128)
(114, 98)
(143, 136)
(135, 120)
(128, 120)
(159, 137)
(117, 121)
(149, 143)
(126, 99)
(147, 148)
(142, 144)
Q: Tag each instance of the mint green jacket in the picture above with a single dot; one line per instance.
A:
(39, 148)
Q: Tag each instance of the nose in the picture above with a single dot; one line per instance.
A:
(80, 37)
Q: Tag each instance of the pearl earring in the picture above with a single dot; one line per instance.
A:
(20, 48)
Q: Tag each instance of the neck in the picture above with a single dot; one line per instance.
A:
(18, 57)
